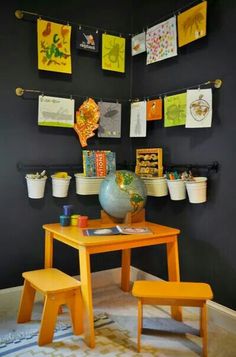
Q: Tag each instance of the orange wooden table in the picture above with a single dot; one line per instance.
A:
(87, 245)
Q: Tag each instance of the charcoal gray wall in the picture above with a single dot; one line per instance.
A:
(207, 243)
(22, 238)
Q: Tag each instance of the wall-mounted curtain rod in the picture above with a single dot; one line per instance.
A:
(217, 83)
(173, 13)
(20, 14)
(214, 166)
(21, 91)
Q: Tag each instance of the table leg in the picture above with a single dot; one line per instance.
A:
(86, 289)
(173, 273)
(48, 250)
(125, 269)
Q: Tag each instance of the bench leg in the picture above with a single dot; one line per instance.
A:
(26, 303)
(49, 316)
(140, 324)
(203, 329)
(75, 305)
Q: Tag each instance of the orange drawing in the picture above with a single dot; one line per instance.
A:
(154, 109)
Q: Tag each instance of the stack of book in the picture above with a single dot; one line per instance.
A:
(98, 163)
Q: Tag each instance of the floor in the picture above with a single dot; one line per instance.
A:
(168, 337)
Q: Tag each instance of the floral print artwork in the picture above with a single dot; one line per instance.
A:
(161, 42)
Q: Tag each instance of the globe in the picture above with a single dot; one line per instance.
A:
(122, 192)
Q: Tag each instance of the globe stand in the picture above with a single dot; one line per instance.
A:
(128, 219)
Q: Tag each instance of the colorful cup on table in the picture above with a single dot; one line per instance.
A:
(67, 210)
(74, 219)
(83, 221)
(64, 220)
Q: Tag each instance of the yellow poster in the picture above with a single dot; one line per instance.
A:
(192, 24)
(113, 53)
(54, 46)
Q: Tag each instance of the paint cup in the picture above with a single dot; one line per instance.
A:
(83, 221)
(74, 219)
(67, 210)
(64, 220)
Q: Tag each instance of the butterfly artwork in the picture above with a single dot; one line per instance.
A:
(54, 53)
(113, 53)
(138, 43)
(192, 24)
(110, 120)
(87, 40)
(87, 117)
(199, 108)
(175, 110)
(161, 41)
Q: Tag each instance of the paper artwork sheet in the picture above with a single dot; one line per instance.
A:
(138, 43)
(161, 41)
(175, 110)
(54, 53)
(87, 40)
(54, 111)
(192, 24)
(110, 120)
(113, 53)
(154, 109)
(138, 122)
(199, 108)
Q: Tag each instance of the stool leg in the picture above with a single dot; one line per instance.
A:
(49, 316)
(203, 329)
(26, 303)
(76, 310)
(140, 324)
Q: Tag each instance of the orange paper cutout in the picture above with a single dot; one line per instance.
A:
(87, 118)
(154, 109)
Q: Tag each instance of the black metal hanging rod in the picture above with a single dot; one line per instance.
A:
(48, 167)
(214, 166)
(20, 14)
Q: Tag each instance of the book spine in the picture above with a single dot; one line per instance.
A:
(100, 163)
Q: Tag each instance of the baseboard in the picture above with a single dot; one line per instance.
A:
(220, 315)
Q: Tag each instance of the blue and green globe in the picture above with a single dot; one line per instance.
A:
(122, 192)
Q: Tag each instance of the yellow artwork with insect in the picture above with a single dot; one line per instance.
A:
(54, 46)
(113, 53)
(192, 24)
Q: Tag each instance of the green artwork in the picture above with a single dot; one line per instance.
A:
(175, 110)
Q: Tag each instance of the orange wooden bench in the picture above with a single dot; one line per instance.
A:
(58, 289)
(173, 294)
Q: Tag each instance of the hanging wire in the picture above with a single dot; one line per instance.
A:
(21, 91)
(20, 14)
(217, 83)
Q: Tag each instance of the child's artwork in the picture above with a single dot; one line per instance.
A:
(138, 122)
(138, 43)
(199, 108)
(113, 53)
(53, 111)
(154, 109)
(175, 110)
(110, 120)
(54, 46)
(192, 24)
(87, 40)
(87, 117)
(161, 41)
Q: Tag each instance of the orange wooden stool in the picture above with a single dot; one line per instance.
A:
(173, 294)
(58, 288)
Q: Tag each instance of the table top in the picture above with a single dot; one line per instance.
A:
(75, 235)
